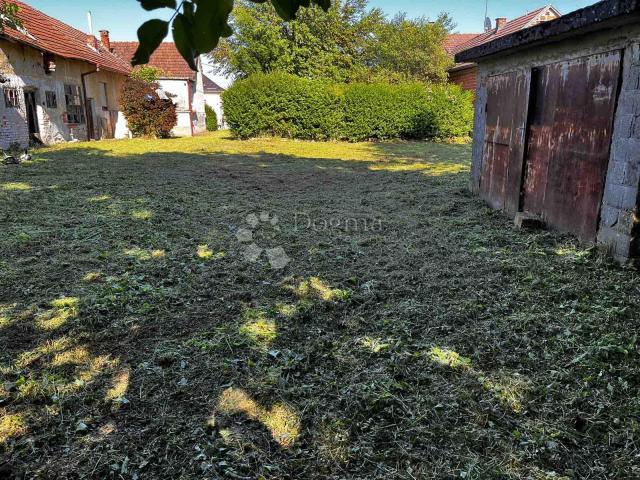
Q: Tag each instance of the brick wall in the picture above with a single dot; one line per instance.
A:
(466, 78)
(618, 225)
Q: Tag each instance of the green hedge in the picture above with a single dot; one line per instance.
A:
(284, 105)
(211, 118)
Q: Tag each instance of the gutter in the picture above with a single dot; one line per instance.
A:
(86, 101)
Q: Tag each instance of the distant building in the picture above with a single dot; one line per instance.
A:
(465, 74)
(213, 98)
(58, 83)
(177, 79)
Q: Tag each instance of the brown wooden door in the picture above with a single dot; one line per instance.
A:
(506, 118)
(569, 139)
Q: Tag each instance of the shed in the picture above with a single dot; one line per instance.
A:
(557, 123)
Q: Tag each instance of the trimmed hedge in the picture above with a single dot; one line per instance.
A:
(285, 105)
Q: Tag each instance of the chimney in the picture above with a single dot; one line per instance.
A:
(104, 38)
(500, 22)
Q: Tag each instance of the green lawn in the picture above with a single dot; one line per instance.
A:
(147, 330)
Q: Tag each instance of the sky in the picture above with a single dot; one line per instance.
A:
(123, 17)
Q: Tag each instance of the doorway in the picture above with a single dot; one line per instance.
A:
(32, 113)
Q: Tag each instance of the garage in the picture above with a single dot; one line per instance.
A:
(557, 133)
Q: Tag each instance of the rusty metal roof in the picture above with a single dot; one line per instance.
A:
(594, 17)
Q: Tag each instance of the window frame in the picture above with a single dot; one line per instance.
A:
(11, 97)
(74, 105)
(51, 99)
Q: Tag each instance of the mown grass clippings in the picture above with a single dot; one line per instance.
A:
(413, 333)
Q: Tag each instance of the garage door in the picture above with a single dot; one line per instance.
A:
(506, 117)
(569, 137)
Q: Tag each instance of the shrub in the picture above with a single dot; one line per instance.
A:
(285, 105)
(211, 118)
(147, 114)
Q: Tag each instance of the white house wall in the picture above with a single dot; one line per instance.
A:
(182, 91)
(22, 67)
(214, 100)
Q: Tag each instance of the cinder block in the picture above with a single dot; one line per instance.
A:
(609, 216)
(625, 222)
(528, 221)
(629, 197)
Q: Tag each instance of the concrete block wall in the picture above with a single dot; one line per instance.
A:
(618, 221)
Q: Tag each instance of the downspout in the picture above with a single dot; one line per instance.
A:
(190, 106)
(86, 101)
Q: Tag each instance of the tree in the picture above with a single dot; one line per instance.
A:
(9, 16)
(146, 73)
(413, 49)
(146, 112)
(317, 44)
(198, 25)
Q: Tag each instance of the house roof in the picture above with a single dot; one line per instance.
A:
(166, 58)
(607, 13)
(50, 35)
(454, 41)
(210, 86)
(525, 21)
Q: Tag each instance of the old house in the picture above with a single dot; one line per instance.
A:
(177, 79)
(57, 83)
(557, 132)
(465, 74)
(213, 98)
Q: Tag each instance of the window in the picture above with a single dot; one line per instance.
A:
(104, 97)
(11, 99)
(52, 99)
(75, 112)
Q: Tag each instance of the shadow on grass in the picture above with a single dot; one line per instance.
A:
(140, 339)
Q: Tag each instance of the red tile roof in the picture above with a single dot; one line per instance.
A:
(520, 23)
(210, 86)
(166, 58)
(48, 34)
(456, 40)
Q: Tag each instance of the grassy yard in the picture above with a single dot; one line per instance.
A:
(209, 308)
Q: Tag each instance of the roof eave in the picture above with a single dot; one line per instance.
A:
(594, 17)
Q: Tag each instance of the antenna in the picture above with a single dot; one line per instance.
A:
(487, 20)
(90, 21)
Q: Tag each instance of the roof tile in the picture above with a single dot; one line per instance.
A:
(51, 35)
(166, 58)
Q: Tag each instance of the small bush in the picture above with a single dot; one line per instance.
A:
(211, 118)
(147, 114)
(288, 106)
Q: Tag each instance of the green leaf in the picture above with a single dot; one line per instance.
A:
(153, 4)
(150, 35)
(210, 22)
(288, 9)
(182, 29)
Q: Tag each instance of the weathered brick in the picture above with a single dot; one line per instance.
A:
(624, 126)
(609, 216)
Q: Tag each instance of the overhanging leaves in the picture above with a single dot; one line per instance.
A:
(154, 4)
(150, 36)
(198, 27)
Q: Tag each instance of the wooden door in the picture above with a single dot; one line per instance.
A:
(569, 139)
(506, 118)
